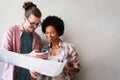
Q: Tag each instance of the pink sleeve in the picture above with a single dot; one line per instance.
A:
(8, 40)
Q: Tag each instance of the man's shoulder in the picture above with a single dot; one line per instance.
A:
(36, 35)
(14, 27)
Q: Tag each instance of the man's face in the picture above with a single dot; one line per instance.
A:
(32, 22)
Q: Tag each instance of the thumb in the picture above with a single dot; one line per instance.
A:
(36, 50)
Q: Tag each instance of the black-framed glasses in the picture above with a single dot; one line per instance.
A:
(33, 23)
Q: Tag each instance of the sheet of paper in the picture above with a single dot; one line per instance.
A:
(46, 67)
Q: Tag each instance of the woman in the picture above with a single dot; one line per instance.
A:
(53, 28)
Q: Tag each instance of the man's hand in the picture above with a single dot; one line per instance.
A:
(37, 54)
(34, 74)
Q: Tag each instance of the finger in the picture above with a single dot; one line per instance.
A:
(35, 74)
(61, 60)
(45, 53)
(58, 60)
(36, 50)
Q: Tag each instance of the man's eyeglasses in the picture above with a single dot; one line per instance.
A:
(33, 23)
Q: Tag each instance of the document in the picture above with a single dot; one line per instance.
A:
(45, 67)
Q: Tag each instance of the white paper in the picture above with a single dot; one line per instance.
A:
(45, 67)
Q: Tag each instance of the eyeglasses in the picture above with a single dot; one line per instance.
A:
(33, 23)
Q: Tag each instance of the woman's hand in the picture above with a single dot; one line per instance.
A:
(71, 69)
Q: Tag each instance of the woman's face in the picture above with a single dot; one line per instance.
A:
(51, 33)
(32, 23)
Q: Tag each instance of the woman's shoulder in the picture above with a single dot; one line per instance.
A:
(67, 43)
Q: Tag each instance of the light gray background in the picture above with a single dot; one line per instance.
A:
(92, 25)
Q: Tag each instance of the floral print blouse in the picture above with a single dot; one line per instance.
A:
(66, 51)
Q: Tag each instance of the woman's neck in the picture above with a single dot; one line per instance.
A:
(55, 43)
(54, 47)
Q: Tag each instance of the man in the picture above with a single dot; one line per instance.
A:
(23, 39)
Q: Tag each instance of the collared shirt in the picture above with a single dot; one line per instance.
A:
(12, 42)
(66, 51)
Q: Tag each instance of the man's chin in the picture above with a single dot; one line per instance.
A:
(32, 30)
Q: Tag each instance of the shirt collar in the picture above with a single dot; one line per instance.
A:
(59, 45)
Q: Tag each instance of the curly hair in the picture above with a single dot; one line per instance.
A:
(56, 22)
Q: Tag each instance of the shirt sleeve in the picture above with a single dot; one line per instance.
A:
(8, 40)
(73, 57)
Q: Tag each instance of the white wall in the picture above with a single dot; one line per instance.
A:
(92, 25)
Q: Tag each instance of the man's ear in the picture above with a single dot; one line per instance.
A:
(25, 18)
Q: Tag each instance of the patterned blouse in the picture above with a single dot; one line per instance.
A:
(65, 51)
